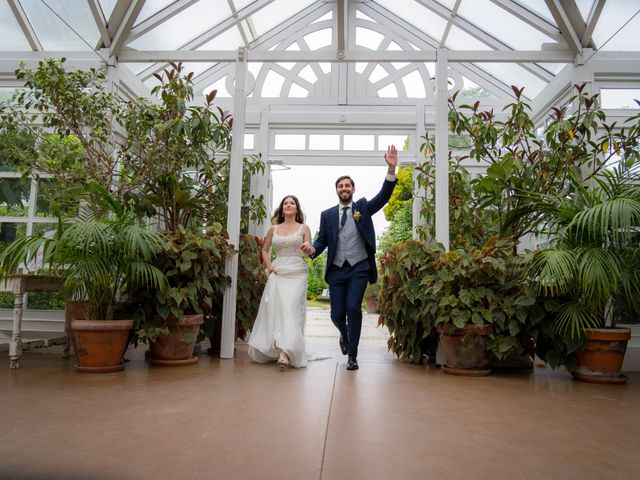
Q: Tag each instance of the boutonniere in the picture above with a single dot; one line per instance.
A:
(357, 215)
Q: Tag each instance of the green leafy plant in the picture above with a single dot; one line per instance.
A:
(522, 160)
(176, 157)
(594, 256)
(252, 278)
(105, 252)
(448, 290)
(194, 264)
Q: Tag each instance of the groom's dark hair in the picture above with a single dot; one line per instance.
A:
(353, 184)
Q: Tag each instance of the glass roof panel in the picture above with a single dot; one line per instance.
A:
(585, 7)
(239, 4)
(11, 36)
(196, 67)
(417, 15)
(183, 27)
(460, 40)
(151, 7)
(514, 32)
(554, 68)
(107, 7)
(512, 74)
(71, 27)
(447, 3)
(277, 12)
(368, 38)
(230, 39)
(539, 7)
(615, 14)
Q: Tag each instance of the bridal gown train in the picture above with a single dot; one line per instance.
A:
(282, 313)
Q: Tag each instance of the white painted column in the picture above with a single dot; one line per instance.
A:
(261, 183)
(418, 202)
(442, 147)
(233, 213)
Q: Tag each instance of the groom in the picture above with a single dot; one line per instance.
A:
(347, 231)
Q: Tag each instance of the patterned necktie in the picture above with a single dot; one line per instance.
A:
(343, 220)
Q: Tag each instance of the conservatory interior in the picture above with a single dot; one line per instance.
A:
(140, 148)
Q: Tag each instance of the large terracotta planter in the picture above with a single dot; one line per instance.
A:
(465, 352)
(100, 344)
(74, 310)
(371, 305)
(601, 360)
(177, 348)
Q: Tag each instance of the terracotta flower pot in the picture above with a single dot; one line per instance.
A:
(177, 348)
(601, 360)
(465, 351)
(100, 344)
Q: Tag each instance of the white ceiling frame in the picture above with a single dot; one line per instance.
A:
(101, 22)
(124, 28)
(211, 33)
(531, 18)
(159, 18)
(241, 29)
(423, 41)
(25, 25)
(592, 21)
(481, 35)
(117, 15)
(266, 41)
(447, 29)
(553, 93)
(314, 56)
(565, 24)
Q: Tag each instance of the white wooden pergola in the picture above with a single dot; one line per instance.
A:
(305, 78)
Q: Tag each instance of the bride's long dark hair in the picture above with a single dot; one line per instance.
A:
(278, 215)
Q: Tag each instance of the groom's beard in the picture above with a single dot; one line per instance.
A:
(345, 199)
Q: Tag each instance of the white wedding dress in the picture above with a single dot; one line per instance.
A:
(282, 314)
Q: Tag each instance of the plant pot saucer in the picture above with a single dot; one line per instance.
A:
(107, 369)
(612, 380)
(467, 372)
(173, 363)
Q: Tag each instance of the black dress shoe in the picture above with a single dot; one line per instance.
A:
(352, 363)
(344, 344)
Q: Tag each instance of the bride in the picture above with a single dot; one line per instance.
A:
(278, 332)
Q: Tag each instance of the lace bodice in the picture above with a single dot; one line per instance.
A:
(287, 245)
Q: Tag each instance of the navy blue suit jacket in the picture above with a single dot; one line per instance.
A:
(328, 233)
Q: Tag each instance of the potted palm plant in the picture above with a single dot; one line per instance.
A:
(102, 254)
(592, 266)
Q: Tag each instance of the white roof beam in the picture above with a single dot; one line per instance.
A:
(592, 21)
(117, 15)
(480, 34)
(159, 18)
(314, 56)
(124, 28)
(101, 22)
(447, 29)
(25, 25)
(564, 13)
(531, 18)
(342, 24)
(553, 93)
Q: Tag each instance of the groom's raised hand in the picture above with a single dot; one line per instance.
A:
(391, 157)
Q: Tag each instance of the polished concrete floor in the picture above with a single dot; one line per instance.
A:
(233, 419)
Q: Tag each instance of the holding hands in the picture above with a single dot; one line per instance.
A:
(307, 248)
